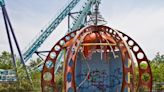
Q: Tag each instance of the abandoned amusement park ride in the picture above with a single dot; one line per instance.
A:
(94, 57)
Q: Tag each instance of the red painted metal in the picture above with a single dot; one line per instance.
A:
(96, 34)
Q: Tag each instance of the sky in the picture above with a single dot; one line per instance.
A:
(143, 20)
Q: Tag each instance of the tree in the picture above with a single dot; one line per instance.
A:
(23, 83)
(6, 60)
(159, 59)
(157, 67)
(34, 63)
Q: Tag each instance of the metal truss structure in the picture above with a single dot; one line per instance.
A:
(77, 24)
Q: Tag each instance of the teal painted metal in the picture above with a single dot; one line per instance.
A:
(59, 61)
(2, 3)
(77, 25)
(52, 26)
(80, 22)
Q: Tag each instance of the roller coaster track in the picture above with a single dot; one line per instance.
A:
(48, 30)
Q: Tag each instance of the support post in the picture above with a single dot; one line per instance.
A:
(69, 22)
(8, 29)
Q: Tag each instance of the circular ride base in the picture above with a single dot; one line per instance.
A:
(97, 59)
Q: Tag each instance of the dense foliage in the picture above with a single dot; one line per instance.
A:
(22, 84)
(6, 61)
(157, 67)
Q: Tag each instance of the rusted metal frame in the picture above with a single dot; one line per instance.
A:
(101, 40)
(69, 56)
(149, 71)
(94, 44)
(131, 67)
(73, 56)
(65, 62)
(110, 45)
(141, 71)
(117, 41)
(112, 50)
(124, 76)
(78, 46)
(115, 37)
(65, 68)
(69, 53)
(114, 55)
(117, 44)
(48, 83)
(131, 70)
(52, 82)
